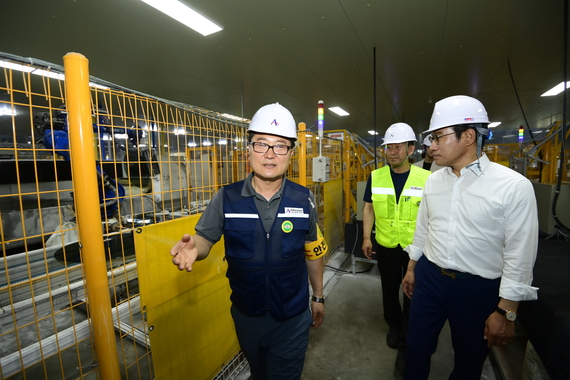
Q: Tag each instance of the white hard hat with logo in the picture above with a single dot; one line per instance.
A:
(274, 119)
(457, 110)
(399, 133)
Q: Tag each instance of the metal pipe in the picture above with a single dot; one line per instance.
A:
(302, 154)
(85, 186)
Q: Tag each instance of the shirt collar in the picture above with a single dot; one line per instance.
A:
(249, 191)
(478, 166)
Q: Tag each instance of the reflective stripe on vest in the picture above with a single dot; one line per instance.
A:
(396, 222)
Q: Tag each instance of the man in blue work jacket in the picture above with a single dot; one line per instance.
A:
(392, 199)
(272, 243)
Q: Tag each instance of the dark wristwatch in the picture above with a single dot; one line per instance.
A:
(510, 315)
(318, 299)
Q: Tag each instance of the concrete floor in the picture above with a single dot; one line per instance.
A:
(351, 343)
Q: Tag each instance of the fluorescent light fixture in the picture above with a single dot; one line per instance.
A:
(191, 144)
(494, 124)
(99, 86)
(43, 73)
(16, 66)
(373, 133)
(339, 111)
(7, 111)
(186, 15)
(206, 143)
(227, 115)
(556, 89)
(179, 131)
(223, 142)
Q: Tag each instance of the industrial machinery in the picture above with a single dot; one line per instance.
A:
(54, 135)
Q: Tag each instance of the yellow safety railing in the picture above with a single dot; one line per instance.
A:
(97, 182)
(540, 159)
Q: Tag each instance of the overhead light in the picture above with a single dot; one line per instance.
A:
(43, 73)
(16, 66)
(373, 133)
(191, 144)
(6, 110)
(339, 111)
(186, 15)
(227, 115)
(223, 142)
(556, 89)
(494, 124)
(206, 143)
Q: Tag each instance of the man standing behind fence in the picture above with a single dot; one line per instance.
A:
(272, 243)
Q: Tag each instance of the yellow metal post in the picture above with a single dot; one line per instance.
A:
(302, 154)
(88, 212)
(346, 178)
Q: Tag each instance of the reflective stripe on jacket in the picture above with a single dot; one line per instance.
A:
(267, 271)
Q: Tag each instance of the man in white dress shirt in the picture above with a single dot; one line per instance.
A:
(474, 248)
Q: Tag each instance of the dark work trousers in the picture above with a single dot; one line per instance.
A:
(274, 350)
(393, 263)
(466, 301)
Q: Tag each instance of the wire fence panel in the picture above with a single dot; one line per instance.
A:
(155, 161)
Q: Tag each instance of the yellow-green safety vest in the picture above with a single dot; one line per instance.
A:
(396, 222)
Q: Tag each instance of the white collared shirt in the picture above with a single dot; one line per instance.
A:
(484, 222)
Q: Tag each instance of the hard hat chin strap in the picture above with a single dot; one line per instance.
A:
(479, 144)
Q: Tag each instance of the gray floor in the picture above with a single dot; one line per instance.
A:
(351, 345)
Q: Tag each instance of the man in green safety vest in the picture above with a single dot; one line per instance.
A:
(392, 199)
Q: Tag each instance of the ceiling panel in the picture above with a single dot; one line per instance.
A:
(299, 51)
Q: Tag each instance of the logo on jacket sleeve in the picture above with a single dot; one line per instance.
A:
(287, 226)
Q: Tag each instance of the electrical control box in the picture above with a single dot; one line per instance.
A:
(321, 169)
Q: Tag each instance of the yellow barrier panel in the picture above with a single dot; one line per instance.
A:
(188, 314)
(333, 210)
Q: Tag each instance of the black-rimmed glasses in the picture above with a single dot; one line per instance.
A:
(435, 138)
(278, 149)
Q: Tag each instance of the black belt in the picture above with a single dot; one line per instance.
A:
(455, 275)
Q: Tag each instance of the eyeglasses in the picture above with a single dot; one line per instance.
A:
(396, 147)
(279, 149)
(436, 138)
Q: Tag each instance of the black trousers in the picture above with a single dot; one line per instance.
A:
(393, 263)
(466, 302)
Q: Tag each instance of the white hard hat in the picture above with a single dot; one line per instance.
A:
(427, 141)
(399, 133)
(274, 119)
(457, 110)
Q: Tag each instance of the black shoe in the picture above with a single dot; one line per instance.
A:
(400, 364)
(393, 338)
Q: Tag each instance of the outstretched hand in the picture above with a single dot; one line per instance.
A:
(184, 253)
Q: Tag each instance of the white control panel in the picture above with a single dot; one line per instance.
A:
(321, 169)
